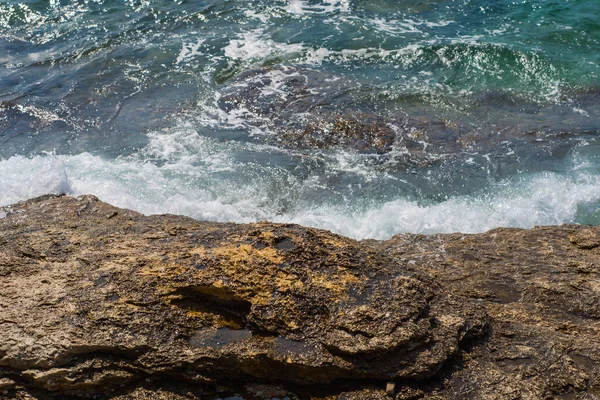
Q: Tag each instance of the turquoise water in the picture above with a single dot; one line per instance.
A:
(368, 118)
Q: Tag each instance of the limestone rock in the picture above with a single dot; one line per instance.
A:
(107, 303)
(92, 303)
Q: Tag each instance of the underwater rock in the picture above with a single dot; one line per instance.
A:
(103, 302)
(307, 109)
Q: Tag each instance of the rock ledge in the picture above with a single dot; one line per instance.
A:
(103, 302)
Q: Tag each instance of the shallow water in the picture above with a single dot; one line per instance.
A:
(487, 112)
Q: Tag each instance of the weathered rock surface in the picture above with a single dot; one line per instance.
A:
(103, 302)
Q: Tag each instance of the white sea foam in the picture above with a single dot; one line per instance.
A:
(189, 50)
(23, 178)
(394, 26)
(255, 46)
(201, 178)
(302, 7)
(547, 199)
(581, 111)
(405, 25)
(407, 55)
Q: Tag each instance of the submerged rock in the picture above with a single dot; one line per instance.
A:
(306, 109)
(103, 302)
(301, 108)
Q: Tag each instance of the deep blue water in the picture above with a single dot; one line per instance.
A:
(368, 118)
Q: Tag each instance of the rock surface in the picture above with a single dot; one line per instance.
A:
(107, 303)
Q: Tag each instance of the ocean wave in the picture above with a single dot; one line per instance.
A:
(187, 174)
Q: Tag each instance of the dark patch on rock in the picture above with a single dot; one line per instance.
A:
(284, 243)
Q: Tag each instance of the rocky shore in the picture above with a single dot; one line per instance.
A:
(101, 302)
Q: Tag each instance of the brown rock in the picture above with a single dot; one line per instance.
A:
(543, 299)
(166, 307)
(585, 239)
(91, 304)
(390, 388)
(6, 383)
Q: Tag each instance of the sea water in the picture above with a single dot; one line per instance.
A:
(183, 107)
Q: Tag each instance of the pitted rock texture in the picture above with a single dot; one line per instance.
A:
(96, 297)
(102, 302)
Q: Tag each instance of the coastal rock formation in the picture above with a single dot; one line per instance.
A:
(103, 302)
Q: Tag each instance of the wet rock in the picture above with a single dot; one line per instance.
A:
(542, 297)
(94, 303)
(136, 307)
